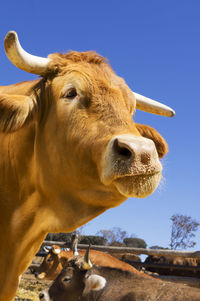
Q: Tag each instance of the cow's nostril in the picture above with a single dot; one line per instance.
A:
(41, 296)
(122, 149)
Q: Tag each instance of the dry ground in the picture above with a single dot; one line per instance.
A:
(30, 287)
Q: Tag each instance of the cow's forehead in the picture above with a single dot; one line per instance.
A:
(75, 262)
(91, 79)
(67, 270)
(85, 63)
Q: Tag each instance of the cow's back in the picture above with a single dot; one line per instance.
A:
(104, 259)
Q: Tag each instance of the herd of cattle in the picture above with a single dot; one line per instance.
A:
(56, 259)
(94, 275)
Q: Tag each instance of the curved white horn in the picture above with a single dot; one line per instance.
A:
(45, 249)
(22, 59)
(149, 105)
(74, 244)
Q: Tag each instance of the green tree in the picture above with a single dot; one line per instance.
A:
(117, 244)
(135, 242)
(182, 231)
(93, 240)
(65, 237)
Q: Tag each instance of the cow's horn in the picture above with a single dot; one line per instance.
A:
(149, 105)
(74, 244)
(87, 262)
(45, 249)
(22, 59)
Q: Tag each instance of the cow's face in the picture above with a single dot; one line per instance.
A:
(68, 285)
(52, 264)
(90, 140)
(75, 282)
(87, 146)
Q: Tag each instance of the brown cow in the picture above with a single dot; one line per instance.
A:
(69, 151)
(56, 260)
(127, 257)
(80, 281)
(174, 271)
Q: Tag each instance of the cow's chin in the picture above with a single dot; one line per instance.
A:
(139, 186)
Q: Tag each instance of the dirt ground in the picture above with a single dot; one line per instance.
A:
(29, 287)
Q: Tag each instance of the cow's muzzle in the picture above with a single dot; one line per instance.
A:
(44, 296)
(40, 276)
(132, 164)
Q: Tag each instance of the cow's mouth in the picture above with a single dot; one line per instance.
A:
(138, 185)
(40, 276)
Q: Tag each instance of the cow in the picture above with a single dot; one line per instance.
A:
(56, 260)
(81, 280)
(176, 270)
(70, 150)
(127, 257)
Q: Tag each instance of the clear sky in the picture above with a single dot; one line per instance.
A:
(155, 46)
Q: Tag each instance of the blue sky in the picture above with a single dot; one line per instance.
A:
(155, 46)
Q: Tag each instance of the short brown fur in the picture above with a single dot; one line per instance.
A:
(52, 154)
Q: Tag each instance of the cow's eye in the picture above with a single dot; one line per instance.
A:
(71, 93)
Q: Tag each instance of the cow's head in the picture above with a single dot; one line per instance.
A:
(86, 139)
(75, 281)
(52, 264)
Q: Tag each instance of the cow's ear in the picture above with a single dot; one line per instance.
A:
(94, 283)
(151, 133)
(15, 112)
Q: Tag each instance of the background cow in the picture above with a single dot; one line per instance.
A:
(180, 261)
(56, 260)
(79, 280)
(69, 151)
(127, 257)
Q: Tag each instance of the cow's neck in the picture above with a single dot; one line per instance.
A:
(29, 213)
(31, 207)
(19, 233)
(21, 230)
